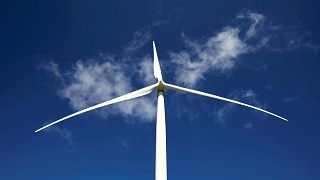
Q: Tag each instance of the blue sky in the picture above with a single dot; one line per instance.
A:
(60, 56)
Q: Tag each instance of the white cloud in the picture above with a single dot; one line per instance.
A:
(92, 81)
(99, 79)
(217, 53)
(256, 20)
(105, 77)
(145, 70)
(221, 52)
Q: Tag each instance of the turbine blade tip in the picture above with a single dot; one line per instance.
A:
(283, 118)
(38, 130)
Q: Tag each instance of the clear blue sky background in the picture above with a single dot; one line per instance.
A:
(206, 139)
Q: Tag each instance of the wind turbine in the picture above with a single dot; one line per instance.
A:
(160, 87)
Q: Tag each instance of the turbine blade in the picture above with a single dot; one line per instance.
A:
(132, 95)
(156, 65)
(177, 88)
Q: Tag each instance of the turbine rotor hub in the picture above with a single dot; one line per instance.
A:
(160, 86)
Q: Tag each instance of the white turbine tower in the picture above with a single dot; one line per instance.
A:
(160, 86)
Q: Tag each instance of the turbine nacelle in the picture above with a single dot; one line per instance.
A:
(160, 85)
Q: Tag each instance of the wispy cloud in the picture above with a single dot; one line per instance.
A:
(124, 144)
(164, 10)
(283, 38)
(248, 125)
(221, 52)
(256, 21)
(140, 38)
(64, 133)
(145, 70)
(222, 115)
(99, 79)
(52, 68)
(107, 76)
(217, 53)
(290, 99)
